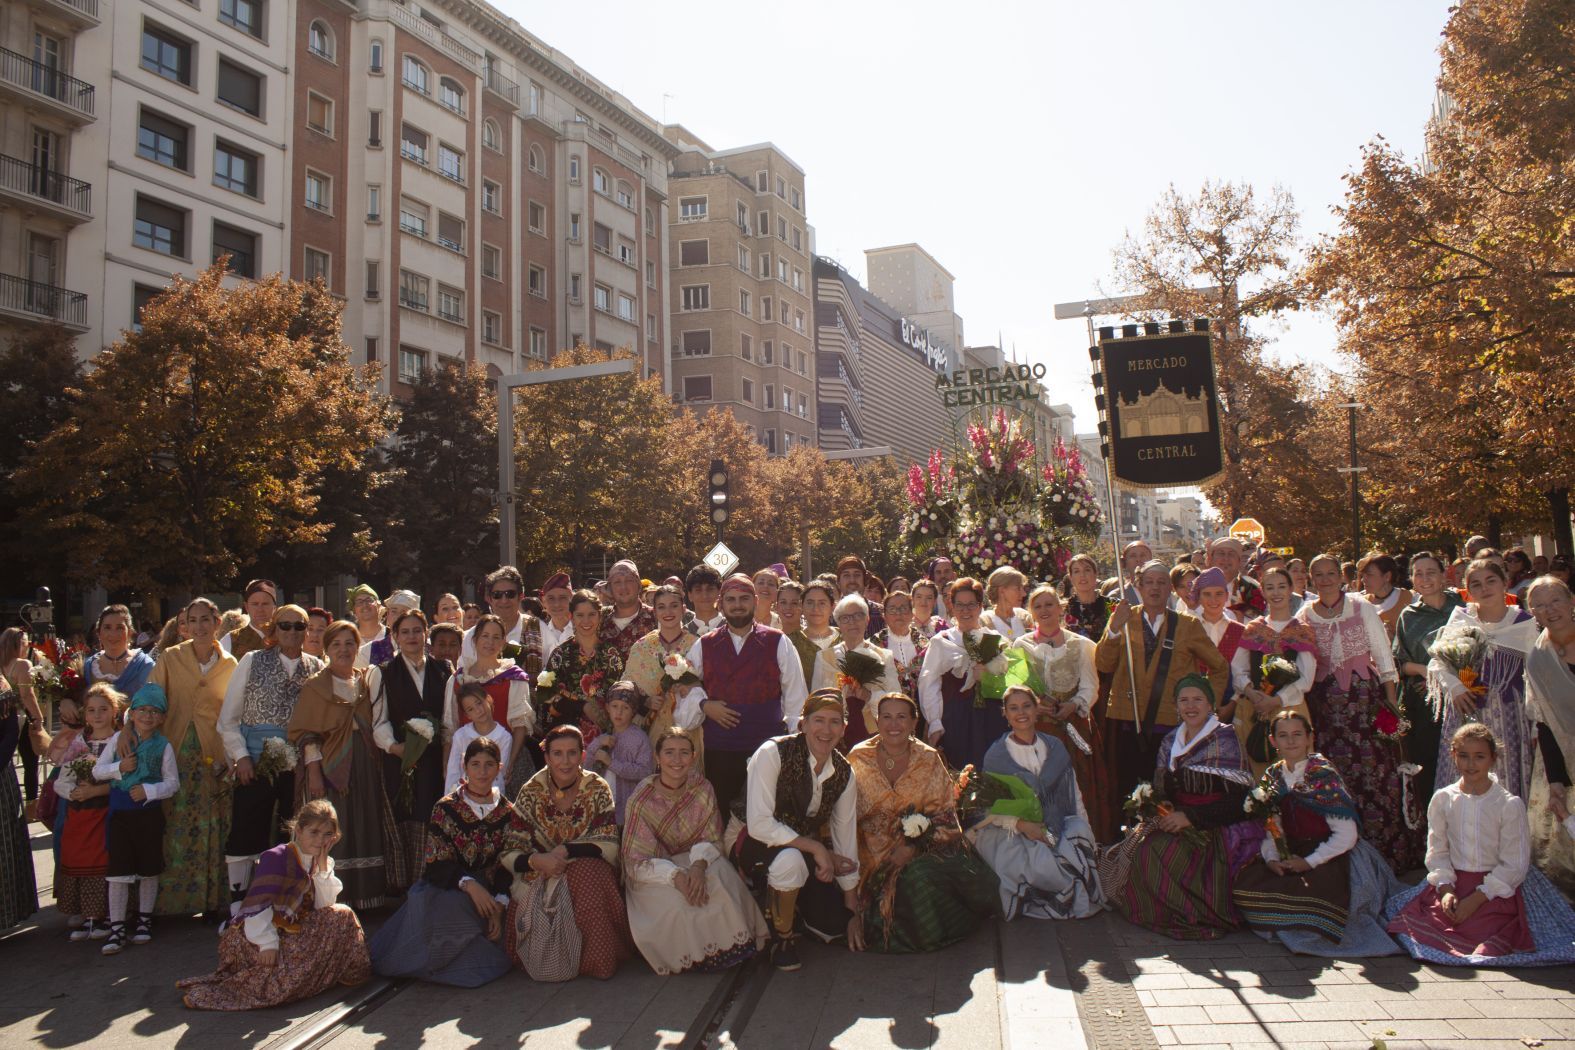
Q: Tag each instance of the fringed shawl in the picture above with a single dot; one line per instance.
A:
(1320, 788)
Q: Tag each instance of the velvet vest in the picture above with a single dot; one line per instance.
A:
(749, 681)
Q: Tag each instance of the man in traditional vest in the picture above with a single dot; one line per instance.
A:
(260, 598)
(802, 796)
(751, 689)
(257, 705)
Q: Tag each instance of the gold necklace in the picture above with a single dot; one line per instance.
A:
(889, 762)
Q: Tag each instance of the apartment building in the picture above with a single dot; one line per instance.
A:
(468, 191)
(740, 260)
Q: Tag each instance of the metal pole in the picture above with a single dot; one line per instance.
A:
(1356, 492)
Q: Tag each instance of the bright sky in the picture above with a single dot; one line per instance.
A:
(1019, 141)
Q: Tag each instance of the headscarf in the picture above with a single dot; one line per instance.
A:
(1199, 682)
(1210, 577)
(404, 599)
(623, 565)
(357, 591)
(737, 582)
(149, 752)
(823, 699)
(557, 581)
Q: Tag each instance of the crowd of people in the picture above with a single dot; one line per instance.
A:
(703, 769)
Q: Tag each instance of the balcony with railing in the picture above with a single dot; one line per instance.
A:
(435, 36)
(81, 13)
(33, 301)
(499, 84)
(34, 186)
(34, 81)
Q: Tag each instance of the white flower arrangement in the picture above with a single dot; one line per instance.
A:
(546, 680)
(422, 727)
(914, 825)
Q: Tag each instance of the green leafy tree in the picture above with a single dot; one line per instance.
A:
(39, 373)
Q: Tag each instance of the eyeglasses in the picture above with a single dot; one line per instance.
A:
(289, 625)
(505, 594)
(851, 617)
(965, 606)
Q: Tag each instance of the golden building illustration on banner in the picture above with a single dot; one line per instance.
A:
(1163, 413)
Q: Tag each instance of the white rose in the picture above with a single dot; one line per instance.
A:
(914, 825)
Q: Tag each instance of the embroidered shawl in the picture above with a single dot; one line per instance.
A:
(659, 823)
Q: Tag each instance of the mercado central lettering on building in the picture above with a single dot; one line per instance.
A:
(1008, 384)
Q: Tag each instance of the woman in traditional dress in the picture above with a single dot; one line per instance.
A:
(819, 598)
(963, 720)
(510, 689)
(921, 884)
(852, 617)
(583, 668)
(1550, 704)
(927, 618)
(332, 729)
(1046, 866)
(1181, 862)
(1064, 664)
(1355, 681)
(568, 832)
(688, 907)
(1416, 628)
(116, 662)
(194, 675)
(450, 928)
(1482, 903)
(1087, 610)
(1006, 590)
(18, 886)
(1380, 577)
(1326, 894)
(1499, 693)
(1207, 598)
(1275, 633)
(291, 939)
(645, 667)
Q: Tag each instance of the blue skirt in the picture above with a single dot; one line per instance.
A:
(970, 730)
(437, 936)
(1549, 915)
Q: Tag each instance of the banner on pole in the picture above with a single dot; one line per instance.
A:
(1161, 410)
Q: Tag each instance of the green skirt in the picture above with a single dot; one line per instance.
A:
(941, 899)
(196, 823)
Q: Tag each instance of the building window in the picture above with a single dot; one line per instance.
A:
(697, 344)
(416, 76)
(245, 15)
(762, 182)
(166, 54)
(624, 196)
(240, 88)
(574, 291)
(765, 308)
(241, 247)
(451, 304)
(159, 228)
(451, 163)
(371, 349)
(782, 269)
(491, 262)
(536, 281)
(694, 253)
(599, 182)
(374, 129)
(650, 223)
(491, 197)
(574, 170)
(374, 203)
(781, 228)
(767, 352)
(697, 388)
(319, 192)
(746, 347)
(491, 137)
(235, 168)
(771, 396)
(601, 238)
(803, 405)
(650, 328)
(320, 114)
(765, 265)
(650, 273)
(749, 391)
(141, 295)
(763, 227)
(413, 144)
(411, 364)
(451, 232)
(626, 252)
(696, 296)
(451, 96)
(538, 343)
(626, 307)
(798, 239)
(795, 199)
(413, 290)
(691, 209)
(743, 258)
(803, 369)
(601, 297)
(492, 327)
(798, 279)
(574, 227)
(798, 321)
(536, 217)
(743, 302)
(375, 59)
(535, 159)
(413, 216)
(320, 42)
(770, 436)
(163, 141)
(316, 265)
(743, 216)
(374, 283)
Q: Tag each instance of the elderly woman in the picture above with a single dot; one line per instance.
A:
(1042, 851)
(1195, 837)
(450, 928)
(1550, 705)
(905, 641)
(688, 907)
(332, 729)
(921, 885)
(583, 668)
(852, 617)
(1007, 592)
(194, 675)
(645, 668)
(563, 852)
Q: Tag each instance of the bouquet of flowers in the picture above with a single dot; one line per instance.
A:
(1263, 803)
(546, 680)
(1278, 672)
(47, 685)
(857, 669)
(1390, 724)
(677, 670)
(419, 733)
(981, 794)
(988, 649)
(74, 774)
(917, 829)
(278, 756)
(1145, 806)
(1463, 647)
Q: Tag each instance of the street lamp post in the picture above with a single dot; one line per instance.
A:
(1356, 492)
(506, 387)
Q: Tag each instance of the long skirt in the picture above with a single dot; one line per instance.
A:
(329, 950)
(1504, 712)
(970, 730)
(18, 887)
(1370, 767)
(939, 901)
(675, 936)
(197, 821)
(1085, 743)
(599, 914)
(1180, 888)
(1552, 847)
(1534, 927)
(1338, 914)
(366, 825)
(437, 936)
(406, 854)
(80, 888)
(1040, 881)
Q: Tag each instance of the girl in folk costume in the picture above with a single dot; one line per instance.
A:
(1325, 893)
(583, 668)
(562, 855)
(1275, 634)
(1550, 704)
(332, 730)
(1087, 610)
(1181, 860)
(1007, 592)
(926, 599)
(1380, 575)
(646, 670)
(817, 634)
(1064, 664)
(1416, 629)
(81, 893)
(921, 884)
(957, 715)
(1355, 682)
(852, 617)
(450, 928)
(194, 675)
(623, 755)
(477, 708)
(1047, 867)
(1482, 903)
(1208, 598)
(291, 939)
(1495, 695)
(509, 688)
(688, 907)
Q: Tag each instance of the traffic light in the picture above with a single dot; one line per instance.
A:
(718, 493)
